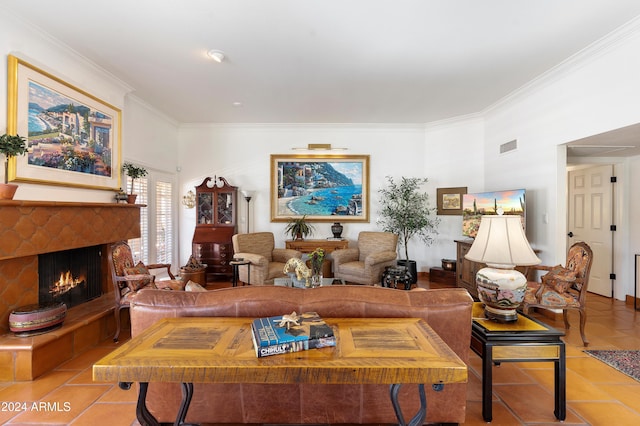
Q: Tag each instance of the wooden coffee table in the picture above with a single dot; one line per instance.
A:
(365, 354)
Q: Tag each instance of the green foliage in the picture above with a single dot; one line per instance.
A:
(299, 227)
(11, 146)
(134, 172)
(405, 211)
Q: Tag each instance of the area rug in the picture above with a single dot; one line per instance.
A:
(627, 362)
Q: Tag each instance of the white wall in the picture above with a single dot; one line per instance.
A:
(633, 235)
(241, 154)
(589, 95)
(147, 137)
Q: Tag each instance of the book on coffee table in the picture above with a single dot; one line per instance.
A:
(290, 333)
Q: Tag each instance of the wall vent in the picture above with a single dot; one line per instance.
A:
(509, 146)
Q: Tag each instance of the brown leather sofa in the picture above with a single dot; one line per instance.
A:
(447, 311)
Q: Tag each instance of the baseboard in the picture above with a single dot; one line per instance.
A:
(629, 299)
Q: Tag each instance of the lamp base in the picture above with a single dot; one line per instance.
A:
(502, 292)
(500, 315)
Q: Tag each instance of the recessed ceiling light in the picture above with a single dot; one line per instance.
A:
(216, 55)
(237, 104)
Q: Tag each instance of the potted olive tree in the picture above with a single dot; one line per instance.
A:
(11, 146)
(134, 172)
(405, 211)
(299, 228)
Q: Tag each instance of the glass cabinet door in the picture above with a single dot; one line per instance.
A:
(225, 208)
(205, 208)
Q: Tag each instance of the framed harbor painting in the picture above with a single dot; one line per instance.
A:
(73, 138)
(320, 187)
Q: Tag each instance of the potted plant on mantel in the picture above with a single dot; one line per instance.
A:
(405, 211)
(134, 172)
(11, 146)
(299, 228)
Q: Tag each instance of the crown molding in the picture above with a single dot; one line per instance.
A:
(66, 49)
(144, 104)
(573, 63)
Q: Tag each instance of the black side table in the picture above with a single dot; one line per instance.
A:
(235, 264)
(524, 340)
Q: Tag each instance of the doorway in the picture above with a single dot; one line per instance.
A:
(590, 216)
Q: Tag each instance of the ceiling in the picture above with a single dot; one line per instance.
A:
(325, 61)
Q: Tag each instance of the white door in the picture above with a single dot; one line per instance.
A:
(590, 219)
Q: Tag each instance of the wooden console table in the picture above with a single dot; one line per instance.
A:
(308, 246)
(365, 355)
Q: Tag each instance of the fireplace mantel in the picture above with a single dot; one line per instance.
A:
(34, 227)
(30, 228)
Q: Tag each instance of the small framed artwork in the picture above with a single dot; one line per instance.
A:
(73, 138)
(327, 188)
(450, 200)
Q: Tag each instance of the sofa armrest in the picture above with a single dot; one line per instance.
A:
(283, 254)
(255, 259)
(380, 257)
(344, 255)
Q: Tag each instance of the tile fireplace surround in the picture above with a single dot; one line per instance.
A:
(30, 228)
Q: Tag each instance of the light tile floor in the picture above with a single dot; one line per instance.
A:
(523, 392)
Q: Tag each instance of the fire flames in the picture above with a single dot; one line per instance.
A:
(66, 283)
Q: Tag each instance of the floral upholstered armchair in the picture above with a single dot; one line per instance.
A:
(128, 278)
(563, 287)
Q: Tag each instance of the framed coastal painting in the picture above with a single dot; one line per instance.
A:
(73, 137)
(330, 188)
(450, 200)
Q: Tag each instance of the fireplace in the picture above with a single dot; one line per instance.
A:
(70, 276)
(31, 228)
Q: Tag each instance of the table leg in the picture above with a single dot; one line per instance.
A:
(235, 273)
(142, 413)
(420, 416)
(146, 418)
(187, 394)
(560, 373)
(487, 382)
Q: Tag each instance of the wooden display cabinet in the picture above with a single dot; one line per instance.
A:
(216, 213)
(308, 246)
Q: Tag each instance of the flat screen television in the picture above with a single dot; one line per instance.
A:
(475, 205)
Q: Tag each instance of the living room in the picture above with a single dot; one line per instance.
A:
(590, 93)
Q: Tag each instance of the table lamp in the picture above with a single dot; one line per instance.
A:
(501, 244)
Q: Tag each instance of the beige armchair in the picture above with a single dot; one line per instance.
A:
(267, 262)
(365, 264)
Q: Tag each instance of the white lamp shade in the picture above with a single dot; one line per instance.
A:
(501, 242)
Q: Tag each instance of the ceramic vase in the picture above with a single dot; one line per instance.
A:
(336, 229)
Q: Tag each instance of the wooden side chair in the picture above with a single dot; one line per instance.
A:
(129, 278)
(563, 287)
